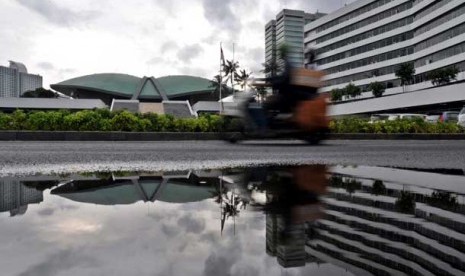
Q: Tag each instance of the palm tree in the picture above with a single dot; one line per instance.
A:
(242, 78)
(230, 69)
(218, 82)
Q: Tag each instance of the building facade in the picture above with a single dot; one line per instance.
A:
(288, 29)
(15, 80)
(368, 40)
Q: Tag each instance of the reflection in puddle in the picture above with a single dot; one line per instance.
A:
(255, 221)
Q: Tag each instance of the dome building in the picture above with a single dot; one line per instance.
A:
(110, 86)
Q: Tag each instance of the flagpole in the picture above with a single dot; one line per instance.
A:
(232, 75)
(221, 79)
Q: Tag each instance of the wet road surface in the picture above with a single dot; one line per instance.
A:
(46, 157)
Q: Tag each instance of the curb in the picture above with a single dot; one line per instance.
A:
(395, 136)
(104, 136)
(185, 136)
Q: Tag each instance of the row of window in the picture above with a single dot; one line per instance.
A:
(420, 78)
(367, 48)
(452, 51)
(379, 44)
(396, 39)
(456, 31)
(449, 52)
(436, 5)
(353, 14)
(371, 60)
(366, 22)
(380, 30)
(364, 75)
(456, 12)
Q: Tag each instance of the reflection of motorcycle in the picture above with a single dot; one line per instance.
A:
(300, 113)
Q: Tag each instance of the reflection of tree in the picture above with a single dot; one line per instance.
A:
(351, 185)
(406, 202)
(219, 193)
(443, 200)
(378, 188)
(230, 203)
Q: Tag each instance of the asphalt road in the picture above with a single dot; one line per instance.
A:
(64, 157)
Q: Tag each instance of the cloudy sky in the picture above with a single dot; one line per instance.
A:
(61, 39)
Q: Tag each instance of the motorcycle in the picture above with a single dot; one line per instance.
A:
(307, 119)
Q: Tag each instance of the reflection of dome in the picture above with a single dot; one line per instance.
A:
(132, 87)
(18, 66)
(129, 192)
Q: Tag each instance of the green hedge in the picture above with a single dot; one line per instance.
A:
(357, 125)
(104, 120)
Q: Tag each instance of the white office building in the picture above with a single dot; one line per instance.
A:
(288, 29)
(15, 80)
(367, 41)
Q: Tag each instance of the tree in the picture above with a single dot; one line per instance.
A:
(336, 94)
(405, 72)
(230, 69)
(270, 67)
(215, 84)
(242, 78)
(377, 89)
(40, 93)
(352, 91)
(443, 76)
(262, 92)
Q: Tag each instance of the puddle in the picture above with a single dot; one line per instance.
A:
(292, 220)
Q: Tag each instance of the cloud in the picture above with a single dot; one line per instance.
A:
(168, 46)
(56, 14)
(45, 65)
(220, 14)
(187, 53)
(155, 61)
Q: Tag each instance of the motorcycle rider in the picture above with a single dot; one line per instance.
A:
(289, 94)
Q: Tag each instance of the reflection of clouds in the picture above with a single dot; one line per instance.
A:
(46, 212)
(192, 224)
(139, 239)
(57, 264)
(169, 230)
(76, 226)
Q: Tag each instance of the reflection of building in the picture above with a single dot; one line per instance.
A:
(14, 197)
(289, 247)
(288, 28)
(14, 80)
(365, 232)
(366, 41)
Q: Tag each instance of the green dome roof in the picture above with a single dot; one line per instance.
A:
(127, 85)
(176, 85)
